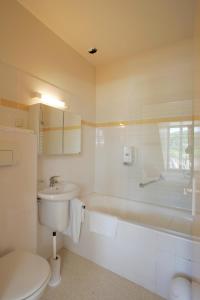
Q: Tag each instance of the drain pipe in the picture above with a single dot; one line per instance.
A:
(55, 264)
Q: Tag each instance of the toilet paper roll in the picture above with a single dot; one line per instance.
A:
(55, 271)
(181, 289)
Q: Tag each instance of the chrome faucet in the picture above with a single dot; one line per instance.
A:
(53, 180)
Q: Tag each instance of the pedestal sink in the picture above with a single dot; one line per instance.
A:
(54, 205)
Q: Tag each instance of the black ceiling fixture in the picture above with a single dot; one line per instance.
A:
(92, 50)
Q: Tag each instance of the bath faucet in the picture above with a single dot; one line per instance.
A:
(53, 180)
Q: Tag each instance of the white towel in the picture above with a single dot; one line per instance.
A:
(102, 224)
(75, 220)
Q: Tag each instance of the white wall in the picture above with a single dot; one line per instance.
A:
(38, 54)
(162, 75)
(18, 207)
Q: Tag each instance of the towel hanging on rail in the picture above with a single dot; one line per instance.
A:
(76, 217)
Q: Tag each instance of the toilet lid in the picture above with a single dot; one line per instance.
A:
(21, 275)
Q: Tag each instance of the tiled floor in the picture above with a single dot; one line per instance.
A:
(84, 280)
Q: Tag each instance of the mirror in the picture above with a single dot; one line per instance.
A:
(71, 133)
(51, 130)
(59, 132)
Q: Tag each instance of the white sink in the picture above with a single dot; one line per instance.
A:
(59, 192)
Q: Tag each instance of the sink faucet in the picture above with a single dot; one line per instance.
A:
(53, 180)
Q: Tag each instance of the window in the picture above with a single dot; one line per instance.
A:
(179, 148)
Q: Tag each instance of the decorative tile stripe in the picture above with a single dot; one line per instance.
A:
(51, 129)
(88, 123)
(196, 118)
(145, 121)
(25, 107)
(13, 104)
(127, 123)
(75, 127)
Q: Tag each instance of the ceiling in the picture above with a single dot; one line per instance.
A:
(118, 28)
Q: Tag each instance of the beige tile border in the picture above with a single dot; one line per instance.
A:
(74, 127)
(13, 104)
(51, 129)
(141, 121)
(66, 128)
(88, 123)
(25, 107)
(145, 121)
(196, 118)
(127, 123)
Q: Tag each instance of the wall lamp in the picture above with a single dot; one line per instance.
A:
(49, 100)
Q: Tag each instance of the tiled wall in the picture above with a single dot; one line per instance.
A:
(113, 177)
(64, 74)
(138, 100)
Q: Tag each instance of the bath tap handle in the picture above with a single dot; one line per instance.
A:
(53, 180)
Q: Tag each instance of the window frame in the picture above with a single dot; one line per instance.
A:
(180, 169)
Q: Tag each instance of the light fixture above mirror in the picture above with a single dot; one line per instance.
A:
(49, 100)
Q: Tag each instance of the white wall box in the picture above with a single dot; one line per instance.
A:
(7, 154)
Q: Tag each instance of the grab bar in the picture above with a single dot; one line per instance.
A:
(143, 184)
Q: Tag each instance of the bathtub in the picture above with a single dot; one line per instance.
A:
(174, 221)
(151, 244)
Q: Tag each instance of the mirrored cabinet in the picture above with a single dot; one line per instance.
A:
(71, 133)
(58, 131)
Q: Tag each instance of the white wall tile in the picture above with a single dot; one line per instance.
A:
(166, 243)
(184, 248)
(165, 270)
(183, 267)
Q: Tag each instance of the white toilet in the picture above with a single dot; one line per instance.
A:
(23, 276)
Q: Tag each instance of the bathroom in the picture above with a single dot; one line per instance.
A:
(99, 149)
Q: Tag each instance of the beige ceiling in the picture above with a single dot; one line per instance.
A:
(118, 28)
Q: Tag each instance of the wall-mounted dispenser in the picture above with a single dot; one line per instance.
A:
(128, 155)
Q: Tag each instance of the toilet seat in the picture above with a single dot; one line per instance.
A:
(22, 275)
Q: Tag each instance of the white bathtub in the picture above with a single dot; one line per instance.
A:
(151, 245)
(166, 219)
